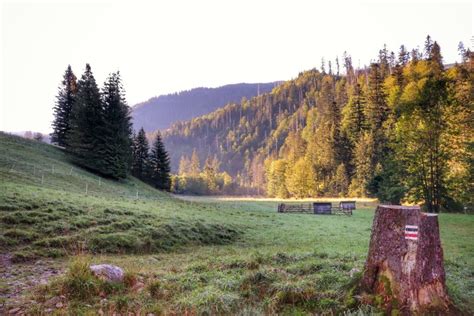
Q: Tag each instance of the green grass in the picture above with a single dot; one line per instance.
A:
(204, 256)
(48, 213)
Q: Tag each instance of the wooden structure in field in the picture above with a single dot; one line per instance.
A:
(322, 208)
(295, 208)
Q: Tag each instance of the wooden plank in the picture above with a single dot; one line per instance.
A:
(347, 205)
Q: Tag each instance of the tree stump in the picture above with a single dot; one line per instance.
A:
(404, 271)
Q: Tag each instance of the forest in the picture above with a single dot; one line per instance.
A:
(399, 130)
(94, 127)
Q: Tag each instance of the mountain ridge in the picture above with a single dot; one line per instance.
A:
(160, 112)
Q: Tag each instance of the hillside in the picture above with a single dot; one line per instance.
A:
(50, 207)
(358, 133)
(160, 112)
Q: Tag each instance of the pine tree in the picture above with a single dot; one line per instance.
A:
(195, 164)
(436, 59)
(117, 129)
(62, 109)
(159, 166)
(84, 139)
(276, 179)
(354, 122)
(340, 184)
(377, 111)
(140, 155)
(364, 165)
(428, 47)
(403, 56)
(210, 171)
(383, 62)
(184, 165)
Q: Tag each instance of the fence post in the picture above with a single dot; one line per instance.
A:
(70, 171)
(87, 187)
(137, 194)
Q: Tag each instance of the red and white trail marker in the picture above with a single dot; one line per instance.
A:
(411, 232)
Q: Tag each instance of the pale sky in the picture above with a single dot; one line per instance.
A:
(168, 46)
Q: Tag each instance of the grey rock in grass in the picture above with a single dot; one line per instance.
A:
(107, 272)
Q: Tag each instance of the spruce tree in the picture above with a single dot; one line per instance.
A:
(377, 111)
(211, 168)
(159, 171)
(140, 155)
(403, 56)
(62, 109)
(84, 139)
(195, 164)
(184, 165)
(354, 117)
(117, 129)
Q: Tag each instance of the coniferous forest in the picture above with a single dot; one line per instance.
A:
(94, 126)
(399, 130)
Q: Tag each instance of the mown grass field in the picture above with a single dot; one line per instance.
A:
(195, 255)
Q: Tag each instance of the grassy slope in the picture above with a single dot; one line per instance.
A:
(222, 256)
(47, 212)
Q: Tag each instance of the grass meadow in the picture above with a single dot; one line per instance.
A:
(192, 255)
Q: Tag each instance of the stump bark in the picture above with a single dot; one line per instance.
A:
(404, 271)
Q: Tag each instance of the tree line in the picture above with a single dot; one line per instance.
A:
(206, 180)
(400, 130)
(94, 126)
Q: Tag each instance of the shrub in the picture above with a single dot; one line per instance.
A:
(79, 282)
(155, 289)
(129, 279)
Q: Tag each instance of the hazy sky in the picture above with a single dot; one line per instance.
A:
(168, 46)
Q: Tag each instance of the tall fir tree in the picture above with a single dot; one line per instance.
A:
(184, 165)
(377, 111)
(195, 164)
(117, 129)
(354, 121)
(62, 110)
(141, 151)
(159, 167)
(84, 140)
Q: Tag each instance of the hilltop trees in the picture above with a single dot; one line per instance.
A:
(140, 155)
(95, 127)
(152, 166)
(62, 109)
(117, 129)
(159, 165)
(100, 129)
(84, 139)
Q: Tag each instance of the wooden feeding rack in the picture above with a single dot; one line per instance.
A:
(295, 208)
(326, 208)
